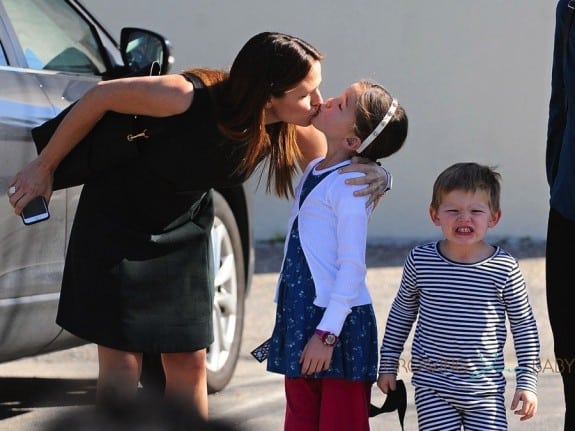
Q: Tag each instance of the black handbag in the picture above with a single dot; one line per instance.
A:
(113, 141)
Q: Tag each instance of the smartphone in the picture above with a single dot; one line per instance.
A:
(35, 211)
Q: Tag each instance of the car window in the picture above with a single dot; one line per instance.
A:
(53, 36)
(3, 61)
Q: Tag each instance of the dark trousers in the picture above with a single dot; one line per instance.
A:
(560, 280)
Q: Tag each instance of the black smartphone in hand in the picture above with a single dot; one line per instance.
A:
(35, 211)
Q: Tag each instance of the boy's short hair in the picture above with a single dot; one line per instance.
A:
(469, 177)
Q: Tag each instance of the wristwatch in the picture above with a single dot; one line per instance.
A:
(327, 338)
(388, 181)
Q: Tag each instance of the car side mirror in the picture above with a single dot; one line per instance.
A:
(142, 48)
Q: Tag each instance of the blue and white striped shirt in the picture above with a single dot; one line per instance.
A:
(461, 328)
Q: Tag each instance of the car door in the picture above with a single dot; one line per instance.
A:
(50, 55)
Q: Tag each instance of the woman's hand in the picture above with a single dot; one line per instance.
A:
(33, 180)
(376, 178)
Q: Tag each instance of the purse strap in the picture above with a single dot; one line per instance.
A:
(197, 82)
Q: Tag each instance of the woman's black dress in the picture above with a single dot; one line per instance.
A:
(139, 272)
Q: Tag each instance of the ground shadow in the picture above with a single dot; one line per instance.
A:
(383, 254)
(20, 395)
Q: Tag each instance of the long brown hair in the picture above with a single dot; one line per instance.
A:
(269, 64)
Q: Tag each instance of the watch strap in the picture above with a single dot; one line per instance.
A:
(328, 338)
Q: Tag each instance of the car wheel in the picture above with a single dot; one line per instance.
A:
(229, 297)
(228, 311)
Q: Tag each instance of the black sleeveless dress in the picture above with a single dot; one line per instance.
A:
(139, 272)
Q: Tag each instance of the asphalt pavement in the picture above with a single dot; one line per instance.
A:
(263, 409)
(35, 390)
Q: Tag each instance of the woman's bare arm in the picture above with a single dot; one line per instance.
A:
(154, 96)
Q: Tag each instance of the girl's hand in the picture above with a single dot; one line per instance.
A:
(33, 180)
(315, 357)
(375, 177)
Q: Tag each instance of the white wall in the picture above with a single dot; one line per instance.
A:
(474, 77)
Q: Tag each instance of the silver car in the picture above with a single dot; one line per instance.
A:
(52, 52)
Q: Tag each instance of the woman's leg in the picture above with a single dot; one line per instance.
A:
(118, 373)
(186, 378)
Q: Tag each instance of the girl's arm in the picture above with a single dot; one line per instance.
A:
(152, 96)
(352, 219)
(351, 231)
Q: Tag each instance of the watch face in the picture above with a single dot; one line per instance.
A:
(330, 339)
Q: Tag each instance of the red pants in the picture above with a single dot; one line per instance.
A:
(326, 405)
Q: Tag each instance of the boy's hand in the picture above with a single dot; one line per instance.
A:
(386, 382)
(529, 404)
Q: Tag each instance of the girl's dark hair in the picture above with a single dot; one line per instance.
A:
(269, 64)
(372, 106)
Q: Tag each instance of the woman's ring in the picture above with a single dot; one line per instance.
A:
(12, 190)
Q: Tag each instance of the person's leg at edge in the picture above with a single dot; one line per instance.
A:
(560, 255)
(303, 397)
(118, 374)
(344, 405)
(186, 378)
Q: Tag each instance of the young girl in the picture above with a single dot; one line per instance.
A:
(325, 335)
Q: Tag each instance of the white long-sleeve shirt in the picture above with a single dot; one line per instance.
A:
(461, 328)
(332, 227)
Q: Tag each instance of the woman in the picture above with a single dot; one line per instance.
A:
(128, 284)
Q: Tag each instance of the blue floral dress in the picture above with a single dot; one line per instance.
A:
(356, 353)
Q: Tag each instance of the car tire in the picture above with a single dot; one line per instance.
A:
(229, 296)
(228, 311)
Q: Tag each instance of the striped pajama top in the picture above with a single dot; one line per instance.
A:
(461, 312)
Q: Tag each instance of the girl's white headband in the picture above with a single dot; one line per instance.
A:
(379, 127)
